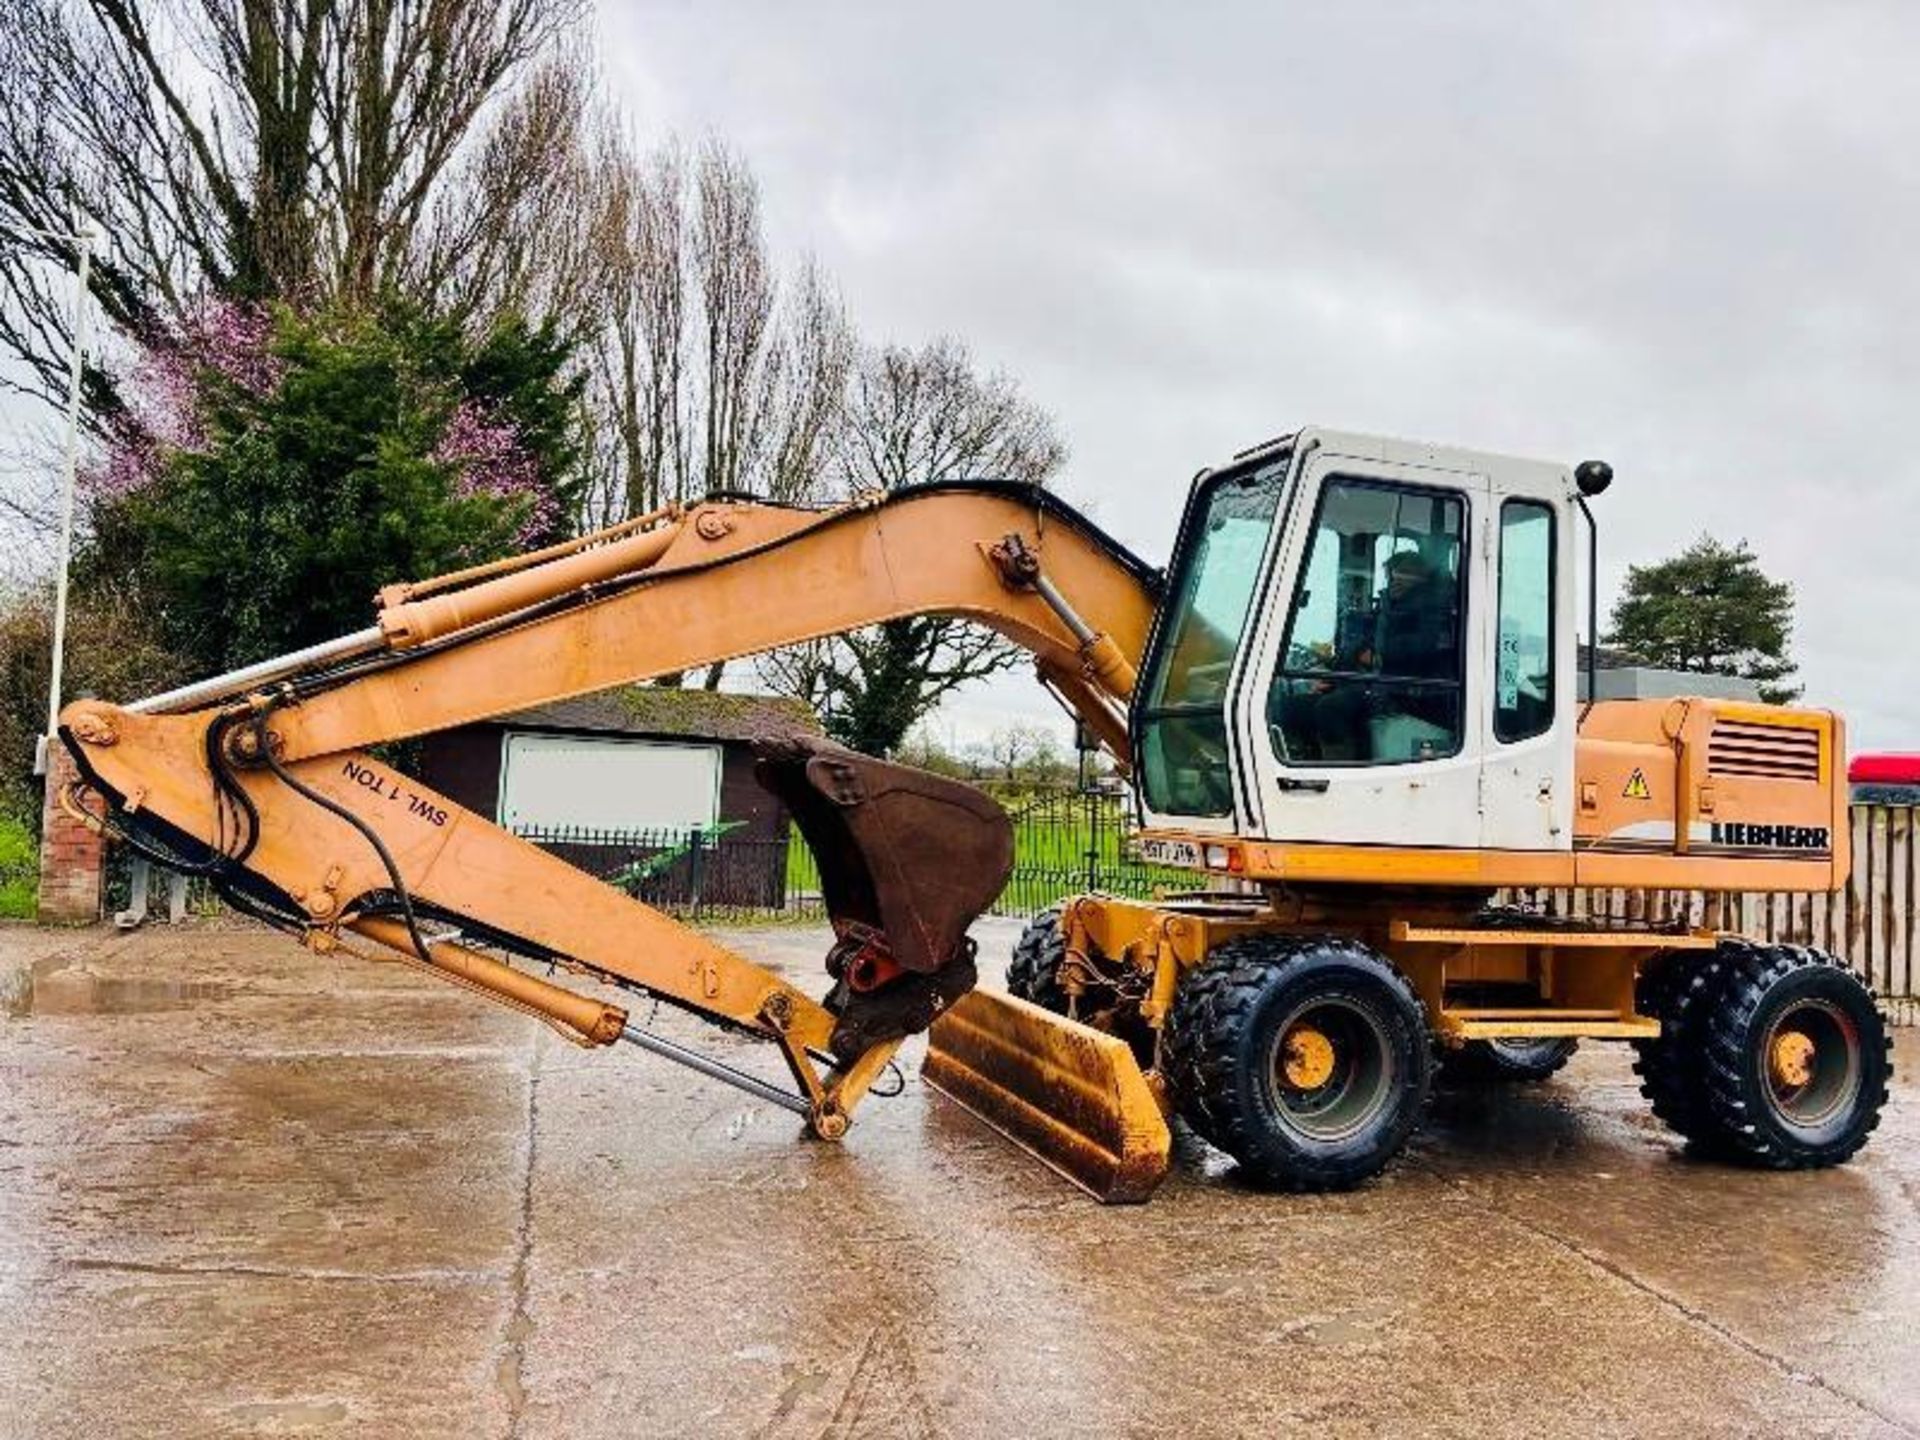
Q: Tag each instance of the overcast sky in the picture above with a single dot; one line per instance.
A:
(1678, 237)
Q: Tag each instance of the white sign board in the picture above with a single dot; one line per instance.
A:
(600, 783)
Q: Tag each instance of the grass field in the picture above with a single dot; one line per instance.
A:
(19, 871)
(1050, 860)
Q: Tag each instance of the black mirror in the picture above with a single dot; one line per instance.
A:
(1592, 476)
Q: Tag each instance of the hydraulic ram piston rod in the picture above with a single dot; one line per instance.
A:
(235, 682)
(713, 1069)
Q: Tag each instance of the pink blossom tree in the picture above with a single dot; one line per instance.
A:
(271, 469)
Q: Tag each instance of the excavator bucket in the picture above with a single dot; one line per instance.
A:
(1068, 1094)
(912, 855)
(908, 861)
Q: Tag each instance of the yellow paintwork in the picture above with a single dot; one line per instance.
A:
(1065, 1092)
(1306, 1058)
(1790, 1059)
(1451, 1029)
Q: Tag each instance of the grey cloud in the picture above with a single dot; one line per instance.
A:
(1676, 236)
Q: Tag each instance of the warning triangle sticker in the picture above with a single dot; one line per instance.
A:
(1637, 786)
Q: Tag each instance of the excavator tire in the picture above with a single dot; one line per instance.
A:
(1679, 990)
(1498, 1061)
(1798, 1059)
(1306, 1058)
(1034, 971)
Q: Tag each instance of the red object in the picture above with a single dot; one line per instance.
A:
(70, 852)
(1884, 770)
(862, 957)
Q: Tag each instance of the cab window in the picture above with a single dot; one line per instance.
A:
(1373, 665)
(1523, 653)
(1183, 718)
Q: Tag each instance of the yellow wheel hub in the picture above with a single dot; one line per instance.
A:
(1306, 1058)
(1790, 1059)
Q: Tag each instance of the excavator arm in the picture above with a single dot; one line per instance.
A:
(263, 779)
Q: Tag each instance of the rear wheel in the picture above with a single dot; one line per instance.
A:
(1798, 1060)
(1305, 1058)
(1507, 1060)
(1680, 990)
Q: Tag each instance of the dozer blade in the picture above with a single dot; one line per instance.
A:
(1066, 1093)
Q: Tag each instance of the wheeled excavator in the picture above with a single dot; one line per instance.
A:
(1349, 707)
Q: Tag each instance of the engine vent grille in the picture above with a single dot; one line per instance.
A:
(1772, 752)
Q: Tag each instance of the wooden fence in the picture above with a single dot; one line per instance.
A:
(1870, 924)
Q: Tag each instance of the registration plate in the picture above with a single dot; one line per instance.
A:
(1171, 852)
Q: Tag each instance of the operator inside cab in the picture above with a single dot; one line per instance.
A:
(1373, 669)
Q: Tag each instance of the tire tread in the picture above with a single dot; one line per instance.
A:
(1216, 1003)
(1034, 971)
(1679, 993)
(1728, 1044)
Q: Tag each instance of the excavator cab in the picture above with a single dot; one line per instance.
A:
(1366, 643)
(1361, 643)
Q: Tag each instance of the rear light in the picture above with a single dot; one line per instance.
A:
(1219, 857)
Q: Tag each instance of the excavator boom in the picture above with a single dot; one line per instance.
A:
(263, 779)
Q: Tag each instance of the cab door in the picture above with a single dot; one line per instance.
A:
(1531, 709)
(1360, 706)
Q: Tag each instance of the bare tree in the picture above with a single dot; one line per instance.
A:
(738, 362)
(710, 373)
(916, 417)
(1024, 752)
(926, 415)
(815, 358)
(255, 148)
(515, 228)
(713, 373)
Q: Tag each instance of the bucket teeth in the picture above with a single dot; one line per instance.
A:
(1068, 1094)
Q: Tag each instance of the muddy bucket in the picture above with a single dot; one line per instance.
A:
(908, 861)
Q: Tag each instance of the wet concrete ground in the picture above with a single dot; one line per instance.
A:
(246, 1191)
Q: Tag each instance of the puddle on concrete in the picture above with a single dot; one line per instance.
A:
(62, 987)
(283, 1417)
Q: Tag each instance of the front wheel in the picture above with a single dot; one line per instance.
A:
(1034, 971)
(1110, 992)
(1306, 1058)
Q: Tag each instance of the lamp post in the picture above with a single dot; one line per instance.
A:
(85, 237)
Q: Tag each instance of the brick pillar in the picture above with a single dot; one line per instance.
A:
(70, 853)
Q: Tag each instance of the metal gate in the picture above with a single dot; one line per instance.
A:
(1069, 841)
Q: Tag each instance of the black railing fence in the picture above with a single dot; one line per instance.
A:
(1066, 841)
(1071, 841)
(702, 871)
